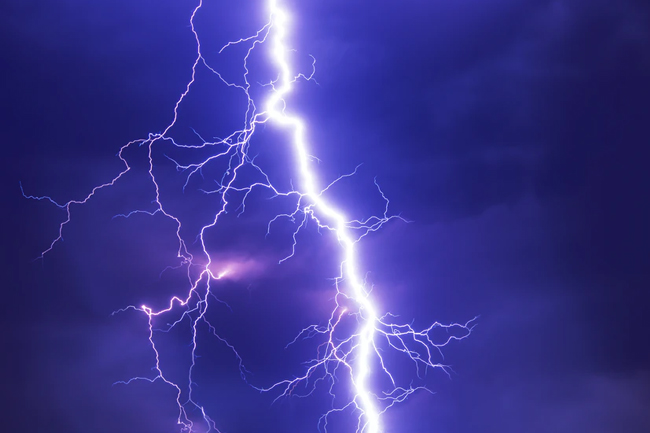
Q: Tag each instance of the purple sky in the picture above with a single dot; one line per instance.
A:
(511, 133)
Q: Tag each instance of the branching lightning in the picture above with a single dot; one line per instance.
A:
(357, 357)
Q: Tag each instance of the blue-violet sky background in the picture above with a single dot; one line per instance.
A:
(513, 134)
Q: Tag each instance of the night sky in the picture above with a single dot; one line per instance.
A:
(512, 134)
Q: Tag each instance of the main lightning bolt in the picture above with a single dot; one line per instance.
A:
(357, 357)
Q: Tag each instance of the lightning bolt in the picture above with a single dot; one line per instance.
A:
(358, 343)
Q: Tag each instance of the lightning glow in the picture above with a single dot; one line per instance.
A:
(357, 336)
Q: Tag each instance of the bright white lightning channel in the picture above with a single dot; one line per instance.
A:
(350, 273)
(357, 357)
(357, 352)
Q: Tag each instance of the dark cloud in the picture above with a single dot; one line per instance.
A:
(512, 134)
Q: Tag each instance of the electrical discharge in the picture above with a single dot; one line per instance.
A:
(357, 339)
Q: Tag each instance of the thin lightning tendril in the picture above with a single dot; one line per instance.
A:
(358, 356)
